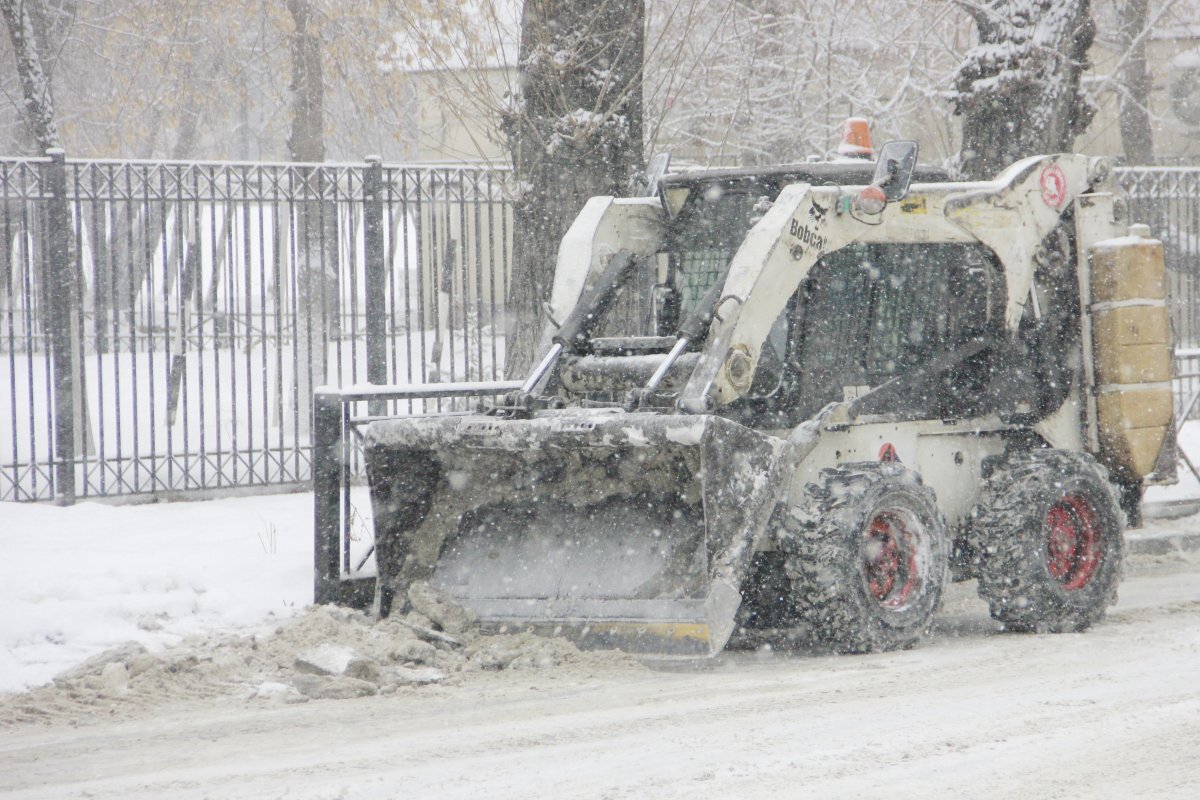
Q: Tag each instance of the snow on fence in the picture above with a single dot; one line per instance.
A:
(163, 324)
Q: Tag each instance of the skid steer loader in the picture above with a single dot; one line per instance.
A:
(798, 400)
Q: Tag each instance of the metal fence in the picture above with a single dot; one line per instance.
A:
(163, 325)
(1167, 198)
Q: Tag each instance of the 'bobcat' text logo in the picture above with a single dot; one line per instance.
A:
(807, 236)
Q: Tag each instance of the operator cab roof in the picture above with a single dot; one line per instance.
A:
(770, 180)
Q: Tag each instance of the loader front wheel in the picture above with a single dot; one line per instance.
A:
(868, 558)
(1048, 539)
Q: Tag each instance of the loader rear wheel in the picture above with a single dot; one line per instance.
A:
(1048, 542)
(868, 557)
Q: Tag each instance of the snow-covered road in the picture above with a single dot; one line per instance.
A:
(1111, 713)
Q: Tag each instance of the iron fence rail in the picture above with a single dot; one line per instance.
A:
(1167, 198)
(163, 324)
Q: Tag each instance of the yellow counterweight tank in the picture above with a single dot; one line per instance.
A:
(1132, 351)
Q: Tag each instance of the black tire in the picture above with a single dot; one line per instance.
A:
(867, 557)
(1048, 541)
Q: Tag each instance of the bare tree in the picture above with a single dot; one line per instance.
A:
(25, 18)
(312, 223)
(1137, 134)
(306, 141)
(1018, 90)
(575, 130)
(1125, 28)
(196, 79)
(756, 81)
(37, 107)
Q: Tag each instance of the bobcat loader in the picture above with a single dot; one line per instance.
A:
(802, 400)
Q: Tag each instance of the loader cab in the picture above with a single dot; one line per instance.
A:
(915, 331)
(905, 330)
(905, 326)
(914, 316)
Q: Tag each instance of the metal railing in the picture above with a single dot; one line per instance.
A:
(163, 325)
(1167, 198)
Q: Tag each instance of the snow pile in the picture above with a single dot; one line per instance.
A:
(127, 606)
(326, 653)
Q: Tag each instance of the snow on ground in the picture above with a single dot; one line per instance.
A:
(1107, 713)
(1188, 488)
(130, 607)
(225, 691)
(79, 580)
(76, 581)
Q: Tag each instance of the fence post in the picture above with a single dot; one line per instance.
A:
(328, 474)
(62, 307)
(376, 278)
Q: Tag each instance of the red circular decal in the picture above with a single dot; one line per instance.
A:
(888, 454)
(1054, 186)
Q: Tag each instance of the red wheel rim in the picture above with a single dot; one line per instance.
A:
(890, 560)
(1073, 550)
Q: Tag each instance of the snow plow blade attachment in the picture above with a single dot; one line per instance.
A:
(616, 530)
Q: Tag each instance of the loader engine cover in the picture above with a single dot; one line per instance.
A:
(616, 529)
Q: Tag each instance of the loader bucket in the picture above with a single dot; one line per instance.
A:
(617, 530)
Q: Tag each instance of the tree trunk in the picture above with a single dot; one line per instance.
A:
(38, 110)
(1137, 135)
(312, 223)
(1018, 90)
(575, 132)
(306, 140)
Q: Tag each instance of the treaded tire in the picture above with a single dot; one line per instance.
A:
(868, 556)
(1048, 539)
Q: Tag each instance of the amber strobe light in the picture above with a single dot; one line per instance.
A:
(856, 139)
